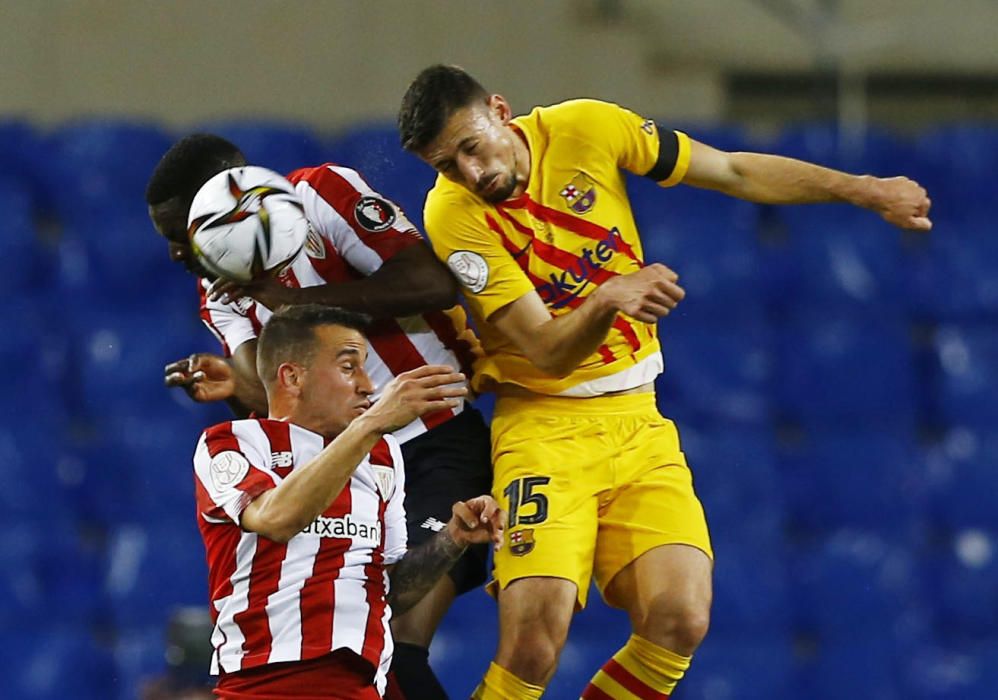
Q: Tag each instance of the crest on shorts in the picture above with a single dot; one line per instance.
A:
(374, 214)
(580, 193)
(313, 245)
(521, 542)
(384, 479)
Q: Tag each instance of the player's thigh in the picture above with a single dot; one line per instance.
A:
(450, 463)
(547, 474)
(534, 617)
(654, 505)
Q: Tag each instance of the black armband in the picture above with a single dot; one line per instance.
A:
(668, 155)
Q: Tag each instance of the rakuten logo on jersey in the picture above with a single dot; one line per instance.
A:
(561, 289)
(344, 527)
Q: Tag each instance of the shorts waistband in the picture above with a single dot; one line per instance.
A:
(622, 404)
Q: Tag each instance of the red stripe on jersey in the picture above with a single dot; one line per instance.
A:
(524, 262)
(343, 197)
(253, 622)
(377, 596)
(220, 543)
(381, 454)
(444, 327)
(593, 693)
(317, 600)
(400, 355)
(279, 435)
(631, 683)
(251, 315)
(568, 222)
(206, 317)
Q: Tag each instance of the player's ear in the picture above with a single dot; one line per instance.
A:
(500, 108)
(290, 376)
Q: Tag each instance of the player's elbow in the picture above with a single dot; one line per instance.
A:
(271, 523)
(440, 292)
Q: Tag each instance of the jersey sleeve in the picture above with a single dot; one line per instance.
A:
(231, 326)
(638, 145)
(396, 535)
(467, 238)
(230, 473)
(365, 227)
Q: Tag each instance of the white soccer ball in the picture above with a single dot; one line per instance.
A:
(245, 223)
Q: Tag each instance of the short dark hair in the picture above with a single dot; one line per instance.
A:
(188, 164)
(435, 94)
(289, 335)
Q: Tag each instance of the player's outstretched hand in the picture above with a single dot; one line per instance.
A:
(205, 377)
(902, 202)
(646, 295)
(415, 393)
(476, 521)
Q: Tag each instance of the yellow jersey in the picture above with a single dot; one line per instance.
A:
(570, 230)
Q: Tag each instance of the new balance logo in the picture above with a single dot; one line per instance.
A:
(433, 524)
(281, 459)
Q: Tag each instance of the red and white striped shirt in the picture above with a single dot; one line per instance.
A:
(353, 230)
(327, 587)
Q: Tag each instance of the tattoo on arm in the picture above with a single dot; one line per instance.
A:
(414, 575)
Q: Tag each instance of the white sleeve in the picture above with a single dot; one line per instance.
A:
(396, 536)
(365, 227)
(230, 325)
(231, 472)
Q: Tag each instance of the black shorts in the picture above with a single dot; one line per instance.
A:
(450, 463)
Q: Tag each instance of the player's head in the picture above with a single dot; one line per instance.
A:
(311, 360)
(450, 121)
(178, 176)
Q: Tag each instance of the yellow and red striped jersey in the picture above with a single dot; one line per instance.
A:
(571, 230)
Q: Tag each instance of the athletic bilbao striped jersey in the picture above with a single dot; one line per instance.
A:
(571, 230)
(326, 588)
(353, 230)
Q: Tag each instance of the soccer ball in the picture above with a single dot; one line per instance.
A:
(245, 223)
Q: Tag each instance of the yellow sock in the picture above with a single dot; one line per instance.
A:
(500, 684)
(639, 670)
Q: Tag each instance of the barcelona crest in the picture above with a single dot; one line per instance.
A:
(580, 193)
(521, 542)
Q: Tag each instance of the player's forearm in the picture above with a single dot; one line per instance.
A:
(282, 512)
(416, 573)
(564, 343)
(769, 179)
(249, 394)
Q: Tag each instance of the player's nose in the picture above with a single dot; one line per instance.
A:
(470, 169)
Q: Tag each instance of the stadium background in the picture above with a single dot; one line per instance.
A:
(836, 383)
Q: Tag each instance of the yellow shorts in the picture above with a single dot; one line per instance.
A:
(590, 485)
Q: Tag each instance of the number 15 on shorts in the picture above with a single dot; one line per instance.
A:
(522, 494)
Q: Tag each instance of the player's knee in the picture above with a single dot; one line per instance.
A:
(679, 627)
(532, 658)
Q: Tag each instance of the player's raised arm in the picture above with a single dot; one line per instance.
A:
(559, 345)
(772, 179)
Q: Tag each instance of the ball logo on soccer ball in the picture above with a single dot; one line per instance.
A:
(246, 223)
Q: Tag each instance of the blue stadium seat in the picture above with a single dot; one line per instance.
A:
(967, 357)
(846, 369)
(868, 667)
(758, 665)
(459, 665)
(688, 209)
(962, 574)
(964, 473)
(852, 584)
(953, 672)
(154, 568)
(102, 166)
(951, 272)
(875, 151)
(139, 655)
(716, 371)
(751, 585)
(280, 146)
(25, 267)
(841, 257)
(959, 168)
(869, 479)
(47, 660)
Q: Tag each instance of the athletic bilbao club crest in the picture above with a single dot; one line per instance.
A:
(374, 214)
(313, 245)
(521, 542)
(384, 479)
(580, 194)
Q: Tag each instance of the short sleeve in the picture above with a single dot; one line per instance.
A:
(229, 475)
(230, 324)
(468, 239)
(638, 144)
(365, 227)
(396, 534)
